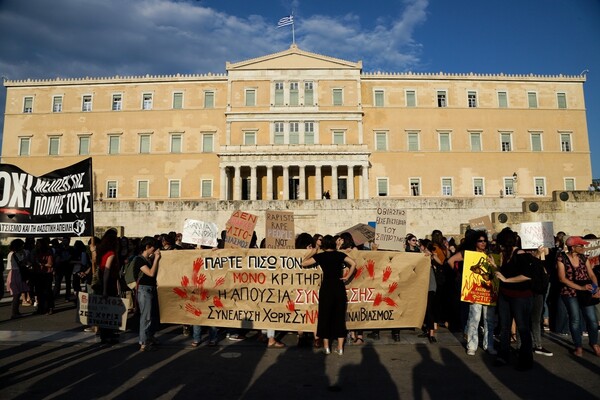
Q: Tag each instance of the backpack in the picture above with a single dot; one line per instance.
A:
(130, 272)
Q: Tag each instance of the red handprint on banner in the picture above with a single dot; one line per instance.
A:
(185, 281)
(378, 299)
(371, 268)
(217, 302)
(220, 281)
(393, 286)
(386, 273)
(180, 292)
(193, 309)
(291, 306)
(359, 271)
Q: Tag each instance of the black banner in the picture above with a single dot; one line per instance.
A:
(59, 203)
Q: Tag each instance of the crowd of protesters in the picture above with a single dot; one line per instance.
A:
(546, 289)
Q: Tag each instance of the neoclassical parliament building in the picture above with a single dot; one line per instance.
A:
(295, 125)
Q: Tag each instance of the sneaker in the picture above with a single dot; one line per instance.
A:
(492, 352)
(542, 351)
(470, 352)
(90, 329)
(339, 352)
(146, 347)
(186, 330)
(326, 350)
(236, 337)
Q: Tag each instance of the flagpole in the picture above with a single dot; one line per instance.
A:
(293, 34)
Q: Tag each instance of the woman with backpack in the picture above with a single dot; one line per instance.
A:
(147, 266)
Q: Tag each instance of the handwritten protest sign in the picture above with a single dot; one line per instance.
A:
(109, 312)
(592, 251)
(390, 231)
(279, 230)
(200, 233)
(482, 224)
(240, 228)
(478, 282)
(361, 233)
(267, 289)
(536, 234)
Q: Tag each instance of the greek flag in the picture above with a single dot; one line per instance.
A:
(289, 20)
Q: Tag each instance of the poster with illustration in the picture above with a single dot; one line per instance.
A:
(479, 284)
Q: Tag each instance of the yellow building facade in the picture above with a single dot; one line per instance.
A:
(296, 125)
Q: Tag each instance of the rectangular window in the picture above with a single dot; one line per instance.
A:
(309, 97)
(147, 101)
(86, 105)
(53, 146)
(294, 94)
(84, 145)
(411, 98)
(177, 101)
(475, 141)
(502, 100)
(309, 133)
(532, 99)
(338, 137)
(206, 188)
(561, 99)
(209, 99)
(505, 142)
(338, 97)
(278, 133)
(472, 98)
(441, 98)
(382, 187)
(415, 186)
(536, 141)
(176, 143)
(378, 98)
(174, 188)
(565, 142)
(446, 186)
(540, 186)
(111, 189)
(381, 141)
(28, 105)
(294, 133)
(24, 145)
(249, 138)
(413, 141)
(144, 144)
(478, 186)
(509, 186)
(114, 142)
(57, 104)
(117, 102)
(142, 189)
(278, 93)
(569, 183)
(208, 143)
(250, 97)
(444, 141)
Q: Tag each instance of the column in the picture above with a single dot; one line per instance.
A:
(350, 182)
(269, 182)
(253, 182)
(365, 182)
(286, 182)
(302, 188)
(237, 183)
(318, 183)
(334, 181)
(223, 183)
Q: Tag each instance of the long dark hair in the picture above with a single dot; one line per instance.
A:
(328, 243)
(507, 240)
(109, 242)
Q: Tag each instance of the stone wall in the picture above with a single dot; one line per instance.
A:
(578, 213)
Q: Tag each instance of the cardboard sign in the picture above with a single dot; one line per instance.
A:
(592, 251)
(536, 234)
(268, 289)
(390, 230)
(109, 312)
(279, 230)
(200, 233)
(361, 233)
(479, 284)
(240, 228)
(482, 224)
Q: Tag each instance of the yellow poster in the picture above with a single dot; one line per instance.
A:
(479, 284)
(268, 289)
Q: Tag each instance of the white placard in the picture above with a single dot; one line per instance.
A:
(200, 233)
(536, 234)
(390, 231)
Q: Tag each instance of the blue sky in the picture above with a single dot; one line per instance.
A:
(75, 38)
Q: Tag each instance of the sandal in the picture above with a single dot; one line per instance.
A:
(195, 344)
(276, 345)
(359, 341)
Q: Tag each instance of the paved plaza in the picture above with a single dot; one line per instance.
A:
(50, 356)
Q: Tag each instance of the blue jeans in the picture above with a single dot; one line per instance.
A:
(475, 314)
(197, 333)
(148, 304)
(589, 314)
(518, 308)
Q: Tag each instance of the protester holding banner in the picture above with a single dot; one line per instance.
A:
(15, 282)
(579, 293)
(147, 296)
(332, 294)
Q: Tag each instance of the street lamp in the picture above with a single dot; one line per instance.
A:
(515, 178)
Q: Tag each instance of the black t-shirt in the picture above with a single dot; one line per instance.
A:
(519, 264)
(332, 264)
(140, 261)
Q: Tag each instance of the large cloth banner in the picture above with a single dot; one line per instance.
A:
(59, 203)
(479, 285)
(105, 312)
(267, 289)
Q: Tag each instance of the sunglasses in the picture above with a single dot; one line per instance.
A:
(482, 241)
